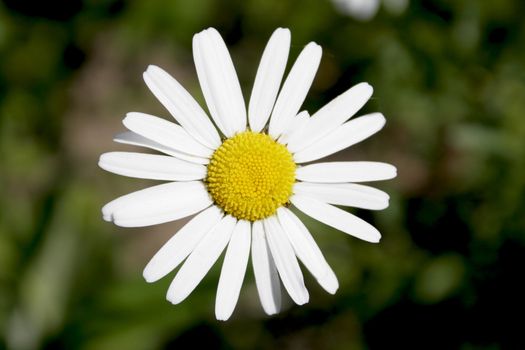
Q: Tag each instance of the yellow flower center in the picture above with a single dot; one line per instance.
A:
(250, 176)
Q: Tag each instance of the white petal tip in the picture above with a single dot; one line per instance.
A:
(302, 297)
(148, 276)
(150, 71)
(206, 31)
(271, 312)
(329, 283)
(375, 239)
(126, 119)
(316, 49)
(379, 117)
(150, 279)
(384, 206)
(393, 172)
(152, 67)
(172, 299)
(305, 299)
(365, 87)
(107, 215)
(102, 161)
(284, 32)
(222, 315)
(372, 237)
(332, 290)
(389, 171)
(313, 44)
(130, 114)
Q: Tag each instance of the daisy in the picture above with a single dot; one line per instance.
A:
(365, 10)
(241, 170)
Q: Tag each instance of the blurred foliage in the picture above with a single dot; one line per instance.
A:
(449, 76)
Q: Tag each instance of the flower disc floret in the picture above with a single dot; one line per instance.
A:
(250, 175)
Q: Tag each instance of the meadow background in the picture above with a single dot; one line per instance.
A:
(449, 76)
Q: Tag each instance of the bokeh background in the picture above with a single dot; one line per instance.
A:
(449, 76)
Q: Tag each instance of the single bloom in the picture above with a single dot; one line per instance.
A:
(365, 10)
(241, 177)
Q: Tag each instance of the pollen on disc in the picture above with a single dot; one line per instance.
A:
(250, 176)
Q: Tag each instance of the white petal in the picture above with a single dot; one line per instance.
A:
(219, 82)
(158, 204)
(268, 79)
(334, 172)
(201, 260)
(166, 133)
(307, 250)
(266, 276)
(233, 270)
(151, 166)
(295, 88)
(178, 247)
(337, 218)
(285, 260)
(297, 123)
(350, 195)
(331, 116)
(182, 106)
(130, 138)
(348, 134)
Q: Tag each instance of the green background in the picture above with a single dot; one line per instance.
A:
(449, 76)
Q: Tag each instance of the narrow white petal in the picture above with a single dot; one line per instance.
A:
(130, 138)
(151, 166)
(219, 82)
(346, 135)
(166, 133)
(337, 218)
(182, 106)
(178, 247)
(268, 78)
(206, 86)
(297, 124)
(158, 204)
(201, 260)
(350, 195)
(336, 172)
(307, 250)
(331, 116)
(266, 276)
(285, 260)
(295, 88)
(233, 270)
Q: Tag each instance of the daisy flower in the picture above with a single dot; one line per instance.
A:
(365, 10)
(242, 170)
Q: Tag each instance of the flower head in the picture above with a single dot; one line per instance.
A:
(365, 10)
(240, 178)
